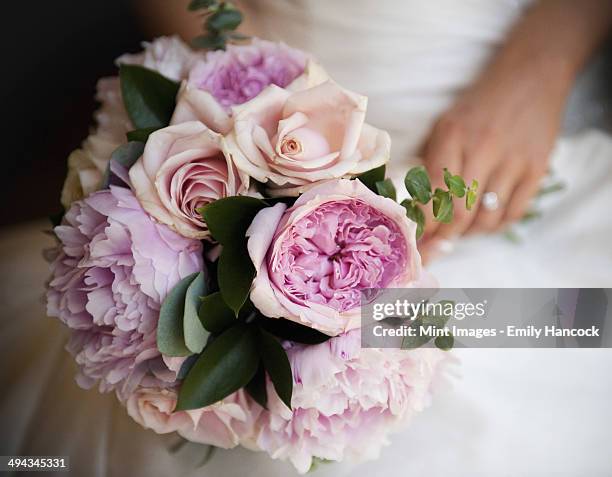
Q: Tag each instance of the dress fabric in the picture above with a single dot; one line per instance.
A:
(514, 412)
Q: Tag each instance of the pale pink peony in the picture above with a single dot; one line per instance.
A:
(292, 140)
(86, 166)
(113, 271)
(183, 168)
(346, 400)
(228, 78)
(220, 424)
(313, 260)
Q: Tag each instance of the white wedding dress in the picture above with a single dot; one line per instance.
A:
(514, 412)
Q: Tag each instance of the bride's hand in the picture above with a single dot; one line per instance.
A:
(502, 129)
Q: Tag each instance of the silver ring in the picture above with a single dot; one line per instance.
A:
(490, 201)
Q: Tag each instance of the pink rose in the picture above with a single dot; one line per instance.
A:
(227, 78)
(313, 259)
(295, 139)
(183, 168)
(218, 424)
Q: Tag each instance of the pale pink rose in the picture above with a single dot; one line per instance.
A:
(313, 260)
(184, 167)
(346, 401)
(223, 79)
(217, 425)
(292, 140)
(86, 166)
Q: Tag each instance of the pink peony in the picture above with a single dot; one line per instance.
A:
(313, 260)
(114, 269)
(346, 400)
(228, 78)
(183, 168)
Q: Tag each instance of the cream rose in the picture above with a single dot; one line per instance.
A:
(183, 168)
(292, 140)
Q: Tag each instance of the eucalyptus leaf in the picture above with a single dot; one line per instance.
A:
(224, 19)
(213, 41)
(199, 4)
(414, 213)
(170, 338)
(149, 97)
(443, 206)
(386, 189)
(371, 177)
(470, 197)
(277, 365)
(215, 315)
(418, 184)
(455, 184)
(194, 332)
(227, 364)
(257, 387)
(291, 331)
(416, 341)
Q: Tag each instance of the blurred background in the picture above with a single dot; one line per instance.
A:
(49, 83)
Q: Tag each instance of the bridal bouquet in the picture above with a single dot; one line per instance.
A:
(221, 221)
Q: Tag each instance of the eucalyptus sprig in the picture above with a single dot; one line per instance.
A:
(419, 187)
(221, 19)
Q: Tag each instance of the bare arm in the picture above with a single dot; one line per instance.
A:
(502, 129)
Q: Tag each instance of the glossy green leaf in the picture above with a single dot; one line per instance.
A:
(418, 184)
(200, 4)
(443, 206)
(235, 274)
(170, 338)
(414, 213)
(149, 97)
(194, 332)
(141, 135)
(227, 364)
(228, 219)
(215, 315)
(455, 183)
(224, 19)
(386, 189)
(371, 177)
(277, 365)
(291, 331)
(257, 387)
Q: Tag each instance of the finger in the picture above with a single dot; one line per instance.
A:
(443, 150)
(502, 182)
(523, 193)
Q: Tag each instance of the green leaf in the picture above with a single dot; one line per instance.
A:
(455, 183)
(556, 187)
(257, 387)
(170, 338)
(224, 19)
(470, 197)
(291, 331)
(414, 213)
(215, 315)
(416, 341)
(227, 364)
(210, 42)
(371, 177)
(277, 365)
(445, 343)
(418, 184)
(228, 219)
(141, 135)
(386, 189)
(443, 206)
(199, 4)
(235, 274)
(149, 97)
(194, 332)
